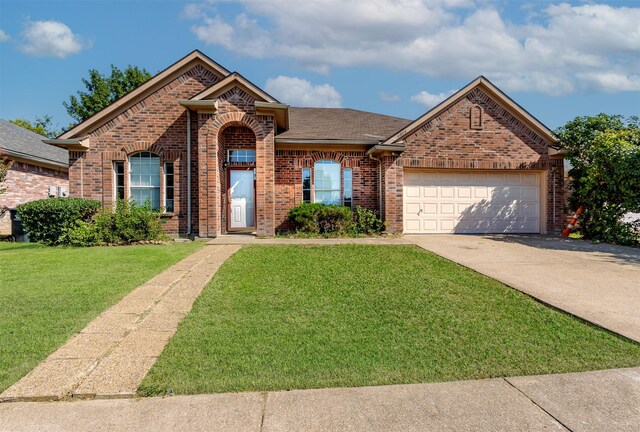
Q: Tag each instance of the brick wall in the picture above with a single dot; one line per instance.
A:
(26, 182)
(475, 133)
(157, 124)
(234, 123)
(288, 178)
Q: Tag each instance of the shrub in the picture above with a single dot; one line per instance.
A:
(320, 219)
(332, 219)
(366, 222)
(129, 223)
(49, 220)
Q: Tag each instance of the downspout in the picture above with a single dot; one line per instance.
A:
(379, 183)
(188, 172)
(553, 187)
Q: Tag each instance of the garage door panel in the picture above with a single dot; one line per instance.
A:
(473, 202)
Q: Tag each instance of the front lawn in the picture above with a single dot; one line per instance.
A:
(49, 293)
(285, 317)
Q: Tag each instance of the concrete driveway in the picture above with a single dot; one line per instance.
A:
(597, 282)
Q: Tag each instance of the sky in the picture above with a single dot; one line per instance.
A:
(557, 59)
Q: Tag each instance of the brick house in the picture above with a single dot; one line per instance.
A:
(218, 154)
(38, 171)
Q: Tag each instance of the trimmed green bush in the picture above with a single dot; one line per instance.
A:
(332, 219)
(129, 223)
(320, 219)
(48, 220)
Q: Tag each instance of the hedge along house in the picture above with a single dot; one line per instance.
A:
(217, 154)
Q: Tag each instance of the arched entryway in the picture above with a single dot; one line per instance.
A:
(237, 155)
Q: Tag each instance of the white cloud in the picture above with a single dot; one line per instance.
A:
(300, 92)
(50, 39)
(429, 99)
(569, 48)
(388, 97)
(3, 36)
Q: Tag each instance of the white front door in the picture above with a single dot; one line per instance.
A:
(242, 199)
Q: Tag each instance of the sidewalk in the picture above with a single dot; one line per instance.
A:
(589, 401)
(111, 356)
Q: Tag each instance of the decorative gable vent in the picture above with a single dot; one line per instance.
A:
(475, 117)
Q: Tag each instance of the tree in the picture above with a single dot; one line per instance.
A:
(101, 90)
(41, 125)
(604, 151)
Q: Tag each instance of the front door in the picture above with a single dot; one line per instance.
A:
(242, 207)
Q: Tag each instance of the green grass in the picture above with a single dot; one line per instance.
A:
(287, 317)
(48, 293)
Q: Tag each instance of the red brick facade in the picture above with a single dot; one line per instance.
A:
(477, 133)
(27, 182)
(288, 177)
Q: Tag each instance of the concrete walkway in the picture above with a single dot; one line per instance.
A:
(597, 282)
(111, 356)
(590, 401)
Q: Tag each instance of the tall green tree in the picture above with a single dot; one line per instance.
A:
(102, 90)
(41, 125)
(604, 152)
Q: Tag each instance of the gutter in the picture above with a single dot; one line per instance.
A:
(188, 172)
(323, 141)
(370, 154)
(38, 160)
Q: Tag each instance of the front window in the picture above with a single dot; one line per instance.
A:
(144, 178)
(118, 185)
(168, 187)
(242, 155)
(306, 185)
(347, 188)
(326, 182)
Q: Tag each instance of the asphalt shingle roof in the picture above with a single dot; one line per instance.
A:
(21, 142)
(340, 124)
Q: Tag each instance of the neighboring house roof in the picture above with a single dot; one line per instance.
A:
(494, 92)
(340, 124)
(18, 142)
(131, 98)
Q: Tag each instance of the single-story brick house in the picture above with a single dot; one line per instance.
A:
(218, 154)
(38, 171)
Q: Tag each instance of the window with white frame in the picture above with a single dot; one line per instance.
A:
(238, 155)
(118, 184)
(326, 185)
(168, 187)
(347, 188)
(144, 178)
(306, 185)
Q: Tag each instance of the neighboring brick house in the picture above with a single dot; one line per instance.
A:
(218, 155)
(38, 171)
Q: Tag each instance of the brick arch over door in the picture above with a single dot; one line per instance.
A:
(211, 191)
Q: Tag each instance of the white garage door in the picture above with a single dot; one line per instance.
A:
(471, 202)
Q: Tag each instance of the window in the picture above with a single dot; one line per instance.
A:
(326, 182)
(242, 155)
(306, 185)
(168, 187)
(347, 187)
(118, 184)
(144, 178)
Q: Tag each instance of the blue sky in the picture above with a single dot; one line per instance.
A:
(556, 59)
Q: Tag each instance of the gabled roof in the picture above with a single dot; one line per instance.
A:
(494, 92)
(232, 80)
(18, 142)
(131, 98)
(340, 124)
